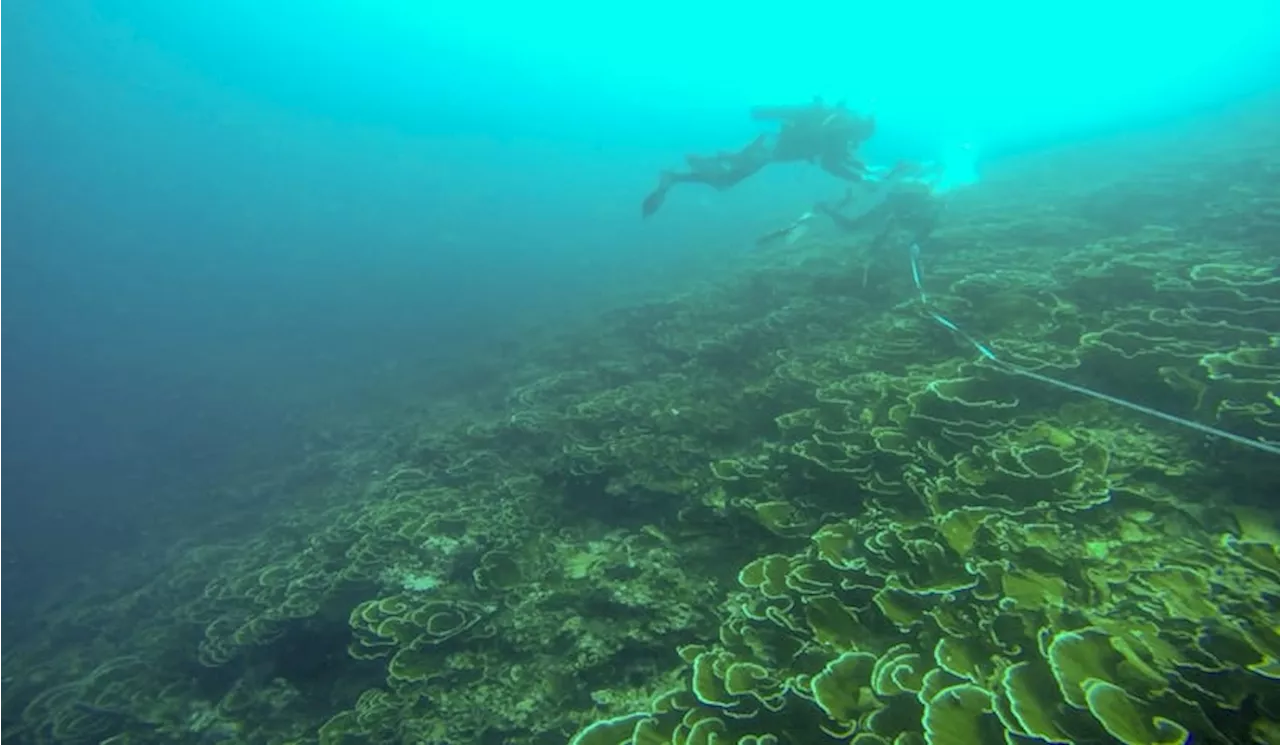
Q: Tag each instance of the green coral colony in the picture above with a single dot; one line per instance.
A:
(785, 509)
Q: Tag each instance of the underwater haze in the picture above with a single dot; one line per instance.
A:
(416, 373)
(240, 236)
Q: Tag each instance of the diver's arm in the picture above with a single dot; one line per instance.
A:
(844, 223)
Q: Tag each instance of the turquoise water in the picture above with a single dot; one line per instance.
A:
(231, 225)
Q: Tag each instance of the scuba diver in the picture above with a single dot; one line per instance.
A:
(721, 171)
(826, 135)
(900, 206)
(902, 198)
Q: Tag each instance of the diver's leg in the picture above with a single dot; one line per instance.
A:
(654, 200)
(740, 169)
(666, 180)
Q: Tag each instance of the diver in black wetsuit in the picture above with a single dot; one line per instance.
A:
(722, 171)
(909, 205)
(898, 200)
(826, 135)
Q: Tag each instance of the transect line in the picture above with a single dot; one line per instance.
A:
(1009, 367)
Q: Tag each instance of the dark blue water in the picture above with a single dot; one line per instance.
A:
(228, 226)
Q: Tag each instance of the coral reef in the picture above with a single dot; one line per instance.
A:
(787, 508)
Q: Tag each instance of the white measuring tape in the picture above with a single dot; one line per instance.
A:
(1009, 367)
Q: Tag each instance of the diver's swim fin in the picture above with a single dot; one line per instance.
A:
(654, 201)
(791, 232)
